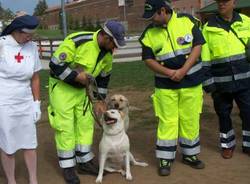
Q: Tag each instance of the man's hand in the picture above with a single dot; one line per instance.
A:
(171, 73)
(82, 78)
(99, 108)
(178, 75)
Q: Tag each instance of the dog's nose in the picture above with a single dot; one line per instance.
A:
(116, 105)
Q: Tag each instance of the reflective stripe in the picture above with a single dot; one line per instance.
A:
(83, 148)
(228, 59)
(227, 135)
(208, 82)
(102, 90)
(65, 73)
(85, 37)
(85, 158)
(166, 143)
(223, 79)
(191, 151)
(67, 163)
(246, 133)
(65, 154)
(194, 69)
(206, 64)
(55, 60)
(191, 71)
(242, 76)
(227, 78)
(173, 54)
(165, 154)
(246, 144)
(228, 145)
(189, 142)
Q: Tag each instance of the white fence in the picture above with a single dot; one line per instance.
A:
(132, 51)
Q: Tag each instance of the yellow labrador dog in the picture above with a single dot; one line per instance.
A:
(114, 148)
(120, 103)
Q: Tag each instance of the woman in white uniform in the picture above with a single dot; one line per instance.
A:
(19, 96)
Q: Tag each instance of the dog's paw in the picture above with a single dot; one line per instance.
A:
(129, 176)
(98, 179)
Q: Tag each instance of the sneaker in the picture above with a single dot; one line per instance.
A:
(164, 167)
(88, 168)
(70, 176)
(193, 162)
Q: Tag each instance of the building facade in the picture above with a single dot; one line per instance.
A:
(94, 12)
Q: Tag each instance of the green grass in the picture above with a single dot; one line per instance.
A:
(129, 75)
(57, 34)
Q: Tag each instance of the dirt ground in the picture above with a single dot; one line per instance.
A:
(142, 135)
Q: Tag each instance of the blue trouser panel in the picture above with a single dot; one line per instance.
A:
(223, 104)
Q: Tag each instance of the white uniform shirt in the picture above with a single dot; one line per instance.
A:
(18, 62)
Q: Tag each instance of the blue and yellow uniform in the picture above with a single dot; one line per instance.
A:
(228, 73)
(73, 129)
(177, 104)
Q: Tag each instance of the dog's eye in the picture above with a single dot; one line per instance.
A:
(112, 99)
(121, 100)
(112, 112)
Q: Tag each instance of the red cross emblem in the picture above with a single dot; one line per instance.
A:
(18, 57)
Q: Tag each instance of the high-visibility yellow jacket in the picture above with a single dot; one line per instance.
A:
(224, 54)
(81, 51)
(170, 45)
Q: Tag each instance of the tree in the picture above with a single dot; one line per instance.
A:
(6, 14)
(40, 7)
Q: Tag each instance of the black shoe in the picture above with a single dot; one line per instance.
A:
(70, 176)
(246, 151)
(164, 167)
(88, 168)
(193, 162)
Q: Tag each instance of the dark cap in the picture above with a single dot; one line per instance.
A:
(151, 6)
(26, 23)
(117, 31)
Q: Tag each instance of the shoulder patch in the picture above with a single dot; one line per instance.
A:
(63, 56)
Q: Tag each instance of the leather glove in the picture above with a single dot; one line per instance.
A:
(37, 110)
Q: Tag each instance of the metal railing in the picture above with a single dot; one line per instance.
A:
(132, 51)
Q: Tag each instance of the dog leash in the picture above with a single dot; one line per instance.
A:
(90, 88)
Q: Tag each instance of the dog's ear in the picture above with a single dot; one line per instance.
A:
(122, 114)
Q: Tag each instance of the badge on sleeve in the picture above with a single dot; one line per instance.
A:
(188, 38)
(63, 56)
(180, 40)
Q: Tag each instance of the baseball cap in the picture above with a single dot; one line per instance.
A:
(117, 31)
(151, 6)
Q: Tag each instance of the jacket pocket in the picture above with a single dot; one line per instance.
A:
(54, 121)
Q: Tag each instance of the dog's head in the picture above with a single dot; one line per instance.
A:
(119, 102)
(113, 121)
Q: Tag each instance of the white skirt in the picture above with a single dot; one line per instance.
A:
(17, 127)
